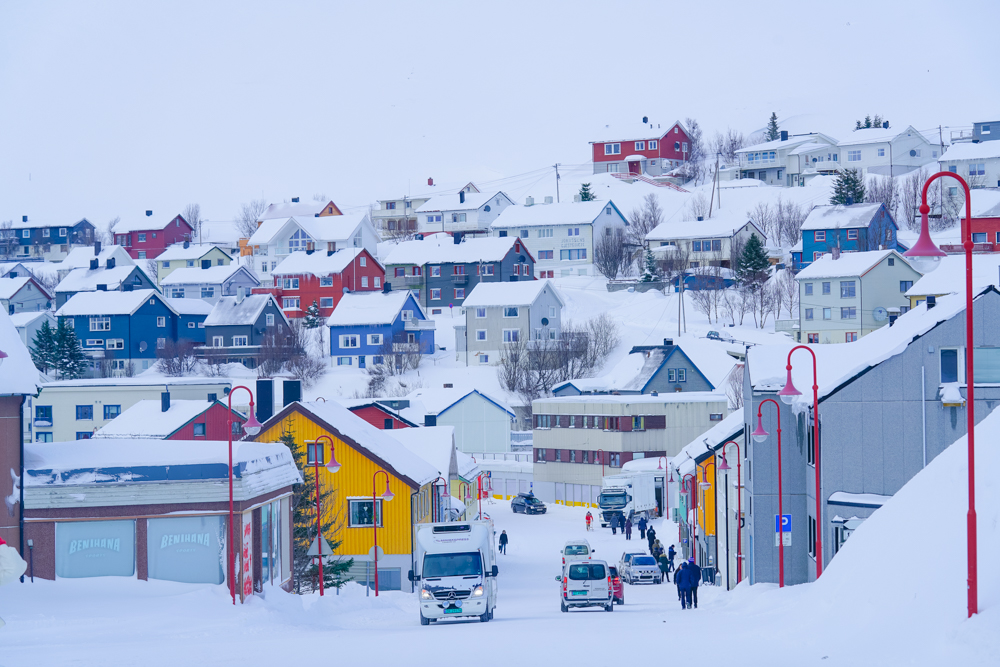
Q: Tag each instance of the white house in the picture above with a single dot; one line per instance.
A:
(706, 242)
(887, 151)
(560, 236)
(210, 283)
(276, 238)
(463, 212)
(979, 164)
(190, 255)
(502, 313)
(482, 423)
(790, 160)
(295, 208)
(82, 257)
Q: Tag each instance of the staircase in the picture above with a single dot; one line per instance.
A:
(647, 179)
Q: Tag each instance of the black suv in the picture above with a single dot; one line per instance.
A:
(527, 503)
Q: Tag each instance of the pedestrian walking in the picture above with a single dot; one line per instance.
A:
(671, 554)
(694, 574)
(590, 519)
(657, 550)
(680, 580)
(642, 527)
(614, 524)
(650, 537)
(628, 529)
(664, 568)
(503, 542)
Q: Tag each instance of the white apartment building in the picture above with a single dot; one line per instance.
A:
(978, 164)
(463, 212)
(887, 151)
(277, 238)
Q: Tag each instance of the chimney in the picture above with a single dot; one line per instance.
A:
(187, 244)
(654, 393)
(310, 251)
(97, 248)
(164, 401)
(94, 263)
(784, 135)
(835, 253)
(240, 294)
(457, 237)
(330, 252)
(668, 341)
(529, 201)
(701, 218)
(576, 198)
(149, 213)
(291, 391)
(24, 218)
(386, 287)
(111, 262)
(931, 302)
(548, 200)
(430, 182)
(461, 197)
(885, 125)
(102, 288)
(295, 200)
(265, 400)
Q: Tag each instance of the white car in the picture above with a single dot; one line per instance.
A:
(576, 550)
(586, 584)
(639, 568)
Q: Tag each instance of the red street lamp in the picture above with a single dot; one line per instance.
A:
(252, 427)
(739, 505)
(760, 435)
(479, 492)
(332, 467)
(693, 496)
(387, 496)
(926, 257)
(787, 396)
(660, 461)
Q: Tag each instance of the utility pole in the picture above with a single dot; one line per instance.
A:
(556, 165)
(711, 199)
(940, 155)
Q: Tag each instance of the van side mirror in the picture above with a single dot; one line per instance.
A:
(495, 571)
(558, 578)
(409, 575)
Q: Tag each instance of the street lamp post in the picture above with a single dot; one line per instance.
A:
(252, 427)
(666, 486)
(739, 506)
(444, 487)
(693, 498)
(333, 467)
(387, 496)
(926, 257)
(787, 396)
(760, 435)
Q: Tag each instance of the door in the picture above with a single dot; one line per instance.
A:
(361, 361)
(597, 584)
(634, 167)
(579, 585)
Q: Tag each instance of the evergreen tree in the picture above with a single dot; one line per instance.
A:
(849, 187)
(305, 569)
(313, 319)
(651, 271)
(753, 264)
(69, 361)
(43, 348)
(585, 193)
(772, 133)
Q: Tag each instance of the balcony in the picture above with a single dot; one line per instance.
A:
(420, 325)
(413, 280)
(460, 279)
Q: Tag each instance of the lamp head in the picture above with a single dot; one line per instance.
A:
(925, 256)
(725, 464)
(252, 426)
(333, 466)
(788, 392)
(388, 495)
(760, 435)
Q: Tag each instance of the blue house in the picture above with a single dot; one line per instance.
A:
(191, 314)
(365, 327)
(122, 330)
(851, 228)
(32, 240)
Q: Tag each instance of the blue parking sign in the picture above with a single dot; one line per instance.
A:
(786, 524)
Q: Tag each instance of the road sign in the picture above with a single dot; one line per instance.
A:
(785, 528)
(314, 549)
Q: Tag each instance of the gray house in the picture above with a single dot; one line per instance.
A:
(889, 403)
(18, 295)
(498, 314)
(209, 283)
(239, 326)
(102, 278)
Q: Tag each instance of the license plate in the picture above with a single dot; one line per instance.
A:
(453, 610)
(579, 592)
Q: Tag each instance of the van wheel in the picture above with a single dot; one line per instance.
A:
(621, 600)
(484, 617)
(424, 621)
(563, 607)
(610, 606)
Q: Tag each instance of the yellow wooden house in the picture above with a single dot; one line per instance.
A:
(362, 450)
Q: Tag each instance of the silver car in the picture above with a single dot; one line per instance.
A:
(639, 568)
(586, 584)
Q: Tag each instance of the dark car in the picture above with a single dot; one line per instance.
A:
(527, 503)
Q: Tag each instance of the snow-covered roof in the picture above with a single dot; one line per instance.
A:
(11, 286)
(18, 374)
(441, 249)
(25, 318)
(147, 420)
(858, 499)
(985, 203)
(142, 224)
(84, 279)
(326, 228)
(521, 293)
(136, 382)
(792, 141)
(228, 311)
(34, 224)
(877, 135)
(839, 216)
(436, 401)
(189, 306)
(849, 264)
(984, 150)
(538, 215)
(713, 438)
(809, 147)
(377, 444)
(285, 210)
(108, 303)
(473, 200)
(671, 397)
(949, 276)
(635, 157)
(318, 263)
(177, 251)
(194, 275)
(434, 444)
(81, 256)
(724, 225)
(836, 364)
(356, 308)
(635, 131)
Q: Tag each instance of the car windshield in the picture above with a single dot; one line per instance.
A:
(587, 571)
(452, 565)
(576, 550)
(612, 501)
(644, 560)
(532, 500)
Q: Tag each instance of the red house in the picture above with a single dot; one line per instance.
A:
(172, 420)
(380, 416)
(649, 148)
(307, 276)
(146, 239)
(985, 223)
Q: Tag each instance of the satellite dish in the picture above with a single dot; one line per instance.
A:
(142, 346)
(487, 208)
(545, 321)
(913, 153)
(880, 314)
(645, 119)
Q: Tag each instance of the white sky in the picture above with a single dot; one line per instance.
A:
(113, 108)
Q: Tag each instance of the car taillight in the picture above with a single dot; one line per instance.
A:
(564, 586)
(617, 580)
(610, 589)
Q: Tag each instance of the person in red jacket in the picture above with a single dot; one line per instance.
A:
(590, 518)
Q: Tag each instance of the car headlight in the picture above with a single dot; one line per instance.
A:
(425, 594)
(478, 591)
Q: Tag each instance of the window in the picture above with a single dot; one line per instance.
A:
(850, 336)
(640, 145)
(85, 412)
(407, 315)
(671, 375)
(854, 156)
(94, 342)
(458, 217)
(142, 254)
(571, 255)
(510, 311)
(177, 292)
(812, 537)
(327, 281)
(892, 261)
(817, 255)
(378, 360)
(917, 151)
(344, 361)
(545, 233)
(826, 288)
(378, 281)
(511, 335)
(977, 169)
(161, 321)
(269, 318)
(612, 149)
(573, 231)
(26, 234)
(166, 264)
(83, 435)
(100, 323)
(435, 294)
(43, 437)
(459, 292)
(289, 303)
(364, 281)
(360, 514)
(949, 365)
(298, 241)
(558, 455)
(199, 430)
(207, 292)
(540, 455)
(326, 302)
(979, 237)
(374, 339)
(987, 363)
(400, 272)
(46, 232)
(480, 334)
(239, 341)
(812, 338)
(852, 235)
(484, 358)
(315, 453)
(435, 272)
(881, 152)
(809, 289)
(480, 313)
(142, 237)
(847, 289)
(190, 262)
(458, 270)
(819, 236)
(809, 313)
(350, 341)
(364, 260)
(696, 246)
(191, 325)
(827, 314)
(115, 343)
(653, 144)
(291, 283)
(484, 269)
(161, 343)
(682, 375)
(217, 341)
(985, 129)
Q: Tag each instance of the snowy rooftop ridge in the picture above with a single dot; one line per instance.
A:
(108, 303)
(10, 286)
(877, 135)
(359, 308)
(143, 224)
(566, 213)
(325, 228)
(984, 150)
(177, 251)
(473, 201)
(229, 311)
(839, 216)
(194, 275)
(721, 225)
(81, 256)
(286, 210)
(949, 277)
(84, 279)
(521, 293)
(318, 263)
(441, 249)
(147, 420)
(849, 264)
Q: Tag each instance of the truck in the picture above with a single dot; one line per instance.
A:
(455, 570)
(632, 495)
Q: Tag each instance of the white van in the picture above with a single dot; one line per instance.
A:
(456, 570)
(586, 584)
(575, 550)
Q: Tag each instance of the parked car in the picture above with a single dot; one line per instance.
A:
(527, 503)
(639, 568)
(617, 587)
(586, 584)
(714, 335)
(576, 550)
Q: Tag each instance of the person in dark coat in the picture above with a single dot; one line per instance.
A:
(671, 554)
(642, 527)
(503, 542)
(657, 550)
(650, 537)
(614, 524)
(694, 575)
(628, 529)
(664, 568)
(681, 580)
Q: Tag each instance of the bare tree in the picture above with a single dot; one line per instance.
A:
(762, 296)
(698, 207)
(910, 197)
(787, 293)
(643, 220)
(709, 289)
(307, 368)
(788, 219)
(694, 169)
(734, 387)
(215, 363)
(249, 213)
(883, 190)
(176, 359)
(8, 238)
(192, 213)
(728, 144)
(320, 197)
(513, 365)
(737, 302)
(107, 236)
(764, 217)
(611, 254)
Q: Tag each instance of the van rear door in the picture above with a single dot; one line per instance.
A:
(598, 582)
(579, 583)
